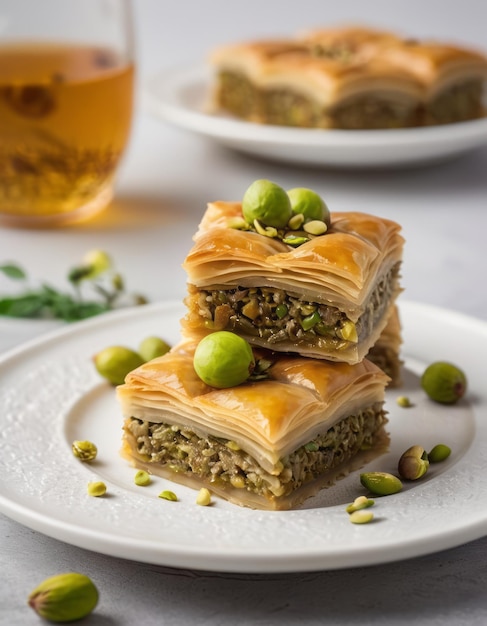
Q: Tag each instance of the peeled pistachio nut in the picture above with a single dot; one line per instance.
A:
(96, 489)
(296, 221)
(315, 227)
(267, 202)
(403, 401)
(64, 598)
(381, 483)
(413, 463)
(294, 240)
(439, 453)
(223, 359)
(361, 517)
(84, 450)
(168, 495)
(115, 362)
(238, 223)
(142, 478)
(204, 497)
(153, 347)
(362, 502)
(267, 231)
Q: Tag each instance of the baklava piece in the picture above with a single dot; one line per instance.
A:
(453, 79)
(329, 298)
(291, 85)
(386, 352)
(350, 78)
(266, 444)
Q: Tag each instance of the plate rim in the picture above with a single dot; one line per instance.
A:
(294, 560)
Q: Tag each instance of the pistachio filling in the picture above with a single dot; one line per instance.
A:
(276, 316)
(283, 107)
(239, 96)
(223, 462)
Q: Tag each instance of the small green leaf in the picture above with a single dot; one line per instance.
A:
(28, 305)
(13, 271)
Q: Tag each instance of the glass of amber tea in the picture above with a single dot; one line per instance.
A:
(66, 98)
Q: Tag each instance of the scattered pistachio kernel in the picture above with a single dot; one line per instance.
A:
(142, 478)
(267, 231)
(403, 401)
(381, 483)
(238, 223)
(97, 488)
(204, 497)
(296, 221)
(413, 463)
(362, 502)
(361, 516)
(64, 597)
(439, 453)
(168, 495)
(295, 241)
(84, 450)
(315, 227)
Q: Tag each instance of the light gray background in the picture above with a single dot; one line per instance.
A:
(166, 179)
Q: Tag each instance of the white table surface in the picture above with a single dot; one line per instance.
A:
(166, 179)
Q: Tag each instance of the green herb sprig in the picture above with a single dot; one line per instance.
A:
(46, 302)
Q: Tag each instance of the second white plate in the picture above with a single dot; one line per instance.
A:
(180, 96)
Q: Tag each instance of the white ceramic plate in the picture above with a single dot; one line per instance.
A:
(180, 96)
(50, 395)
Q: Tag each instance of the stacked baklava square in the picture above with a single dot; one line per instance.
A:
(313, 408)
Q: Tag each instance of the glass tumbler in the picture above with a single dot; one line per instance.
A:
(66, 99)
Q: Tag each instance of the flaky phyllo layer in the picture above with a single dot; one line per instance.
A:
(329, 298)
(268, 443)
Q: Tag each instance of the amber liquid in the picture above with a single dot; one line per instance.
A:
(65, 114)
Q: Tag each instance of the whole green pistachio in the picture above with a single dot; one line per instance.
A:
(115, 362)
(268, 203)
(64, 598)
(153, 347)
(444, 382)
(223, 359)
